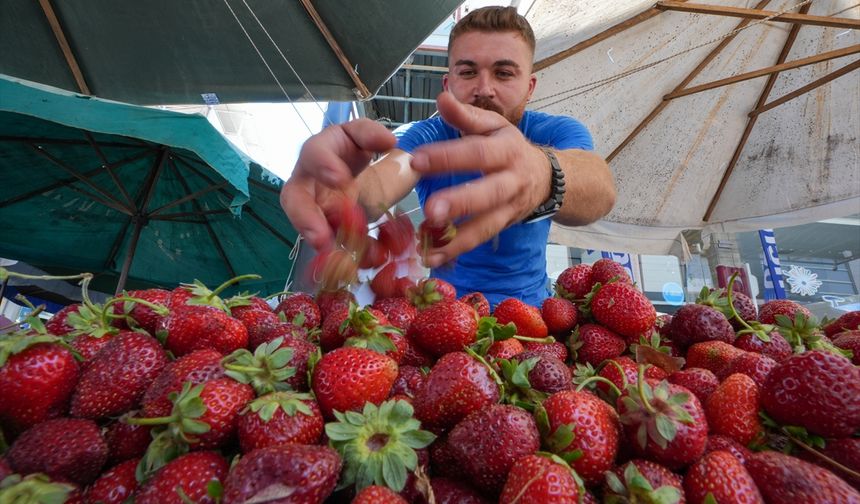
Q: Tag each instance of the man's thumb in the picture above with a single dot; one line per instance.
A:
(469, 119)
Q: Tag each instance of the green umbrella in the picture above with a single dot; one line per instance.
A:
(138, 196)
(158, 52)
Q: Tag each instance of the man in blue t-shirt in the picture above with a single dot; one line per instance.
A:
(485, 163)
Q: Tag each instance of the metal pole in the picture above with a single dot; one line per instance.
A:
(139, 222)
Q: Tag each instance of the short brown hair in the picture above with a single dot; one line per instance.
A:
(494, 19)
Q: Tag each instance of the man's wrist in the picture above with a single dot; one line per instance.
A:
(554, 201)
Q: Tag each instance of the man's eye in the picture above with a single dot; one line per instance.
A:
(467, 73)
(505, 74)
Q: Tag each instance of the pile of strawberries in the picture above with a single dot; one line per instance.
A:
(184, 396)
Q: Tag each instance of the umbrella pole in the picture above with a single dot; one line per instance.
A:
(129, 255)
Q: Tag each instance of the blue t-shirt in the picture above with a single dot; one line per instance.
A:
(513, 264)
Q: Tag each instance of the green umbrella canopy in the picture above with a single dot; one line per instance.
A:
(171, 52)
(89, 185)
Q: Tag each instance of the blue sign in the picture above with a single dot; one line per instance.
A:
(774, 288)
(673, 293)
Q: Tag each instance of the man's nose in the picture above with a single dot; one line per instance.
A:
(484, 85)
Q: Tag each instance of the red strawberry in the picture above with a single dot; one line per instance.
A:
(435, 236)
(559, 315)
(446, 326)
(67, 449)
(744, 307)
(675, 443)
(624, 309)
(280, 418)
(114, 486)
(643, 481)
(369, 328)
(712, 355)
(126, 441)
(143, 315)
(574, 283)
(488, 442)
(302, 351)
(847, 322)
(299, 303)
(428, 291)
(36, 381)
(768, 311)
(415, 356)
(333, 269)
(777, 348)
(88, 346)
(118, 376)
(695, 323)
(332, 336)
(190, 328)
(549, 374)
(611, 372)
(57, 324)
(258, 324)
(721, 476)
(555, 349)
(697, 380)
(536, 480)
(596, 432)
(347, 377)
(479, 302)
(398, 310)
(409, 381)
(329, 301)
(505, 349)
(725, 443)
(845, 451)
(223, 398)
(755, 365)
(397, 234)
(349, 221)
(849, 340)
(732, 410)
(527, 318)
(783, 478)
(241, 303)
(197, 367)
(375, 494)
(593, 344)
(456, 386)
(384, 282)
(454, 491)
(374, 256)
(604, 270)
(190, 473)
(816, 390)
(304, 474)
(282, 330)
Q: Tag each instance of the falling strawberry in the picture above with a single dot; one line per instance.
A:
(397, 234)
(434, 236)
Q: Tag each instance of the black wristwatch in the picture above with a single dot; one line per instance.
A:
(552, 205)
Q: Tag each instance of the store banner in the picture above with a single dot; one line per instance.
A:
(774, 288)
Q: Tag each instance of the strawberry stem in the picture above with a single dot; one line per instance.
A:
(820, 455)
(230, 282)
(640, 387)
(151, 420)
(548, 339)
(600, 379)
(732, 304)
(5, 273)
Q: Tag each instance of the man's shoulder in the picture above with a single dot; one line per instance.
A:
(434, 129)
(560, 131)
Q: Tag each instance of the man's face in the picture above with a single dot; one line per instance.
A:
(491, 71)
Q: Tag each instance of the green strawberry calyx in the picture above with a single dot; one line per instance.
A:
(203, 296)
(291, 403)
(378, 445)
(636, 488)
(266, 370)
(369, 333)
(654, 411)
(559, 440)
(34, 488)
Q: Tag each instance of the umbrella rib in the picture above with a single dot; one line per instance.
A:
(839, 53)
(65, 182)
(245, 209)
(212, 235)
(107, 166)
(264, 186)
(187, 198)
(111, 202)
(363, 92)
(181, 215)
(831, 22)
(807, 88)
(57, 29)
(689, 78)
(768, 87)
(68, 141)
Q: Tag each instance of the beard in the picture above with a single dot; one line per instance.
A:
(514, 116)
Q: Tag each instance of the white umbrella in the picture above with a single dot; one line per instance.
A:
(728, 117)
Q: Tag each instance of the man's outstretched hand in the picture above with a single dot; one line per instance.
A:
(325, 171)
(516, 177)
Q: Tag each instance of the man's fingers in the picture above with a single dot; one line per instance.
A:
(467, 118)
(471, 153)
(487, 193)
(304, 213)
(340, 152)
(470, 234)
(369, 135)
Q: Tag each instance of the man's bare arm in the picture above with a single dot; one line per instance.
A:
(385, 182)
(590, 187)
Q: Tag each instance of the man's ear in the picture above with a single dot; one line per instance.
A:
(532, 85)
(445, 82)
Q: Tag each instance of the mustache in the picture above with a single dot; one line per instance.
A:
(485, 103)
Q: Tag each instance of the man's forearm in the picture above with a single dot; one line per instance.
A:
(589, 187)
(384, 183)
